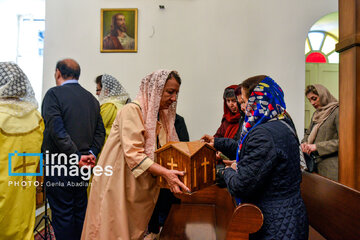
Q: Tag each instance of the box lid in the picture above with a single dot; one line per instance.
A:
(187, 148)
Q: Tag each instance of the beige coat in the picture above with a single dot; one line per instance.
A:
(120, 206)
(327, 145)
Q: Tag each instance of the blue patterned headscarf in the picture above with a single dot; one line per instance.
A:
(266, 102)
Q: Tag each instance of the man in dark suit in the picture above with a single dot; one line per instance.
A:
(73, 130)
(181, 128)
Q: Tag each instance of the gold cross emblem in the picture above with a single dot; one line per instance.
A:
(172, 164)
(185, 178)
(194, 174)
(214, 173)
(204, 164)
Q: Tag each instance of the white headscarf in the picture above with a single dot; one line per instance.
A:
(112, 90)
(15, 90)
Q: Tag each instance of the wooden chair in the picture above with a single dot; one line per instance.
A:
(211, 214)
(333, 209)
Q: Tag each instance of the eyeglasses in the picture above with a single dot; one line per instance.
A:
(98, 90)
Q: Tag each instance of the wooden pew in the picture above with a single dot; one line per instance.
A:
(211, 214)
(333, 209)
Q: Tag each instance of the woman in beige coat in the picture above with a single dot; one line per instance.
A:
(120, 205)
(322, 137)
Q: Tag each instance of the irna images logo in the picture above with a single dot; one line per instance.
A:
(56, 164)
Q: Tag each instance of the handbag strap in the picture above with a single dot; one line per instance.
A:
(302, 158)
(291, 129)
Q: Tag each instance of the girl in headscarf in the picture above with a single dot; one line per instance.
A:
(322, 137)
(112, 97)
(21, 131)
(120, 205)
(232, 114)
(231, 121)
(267, 170)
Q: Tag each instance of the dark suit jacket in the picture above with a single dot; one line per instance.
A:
(181, 129)
(72, 121)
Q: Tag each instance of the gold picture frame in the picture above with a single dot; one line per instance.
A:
(119, 27)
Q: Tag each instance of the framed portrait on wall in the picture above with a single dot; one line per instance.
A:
(119, 30)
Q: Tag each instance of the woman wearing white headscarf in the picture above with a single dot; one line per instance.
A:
(21, 129)
(322, 137)
(112, 97)
(120, 205)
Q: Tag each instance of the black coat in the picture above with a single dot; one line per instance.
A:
(268, 175)
(181, 129)
(73, 123)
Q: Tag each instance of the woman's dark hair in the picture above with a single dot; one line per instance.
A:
(238, 90)
(229, 93)
(98, 80)
(249, 84)
(311, 89)
(174, 74)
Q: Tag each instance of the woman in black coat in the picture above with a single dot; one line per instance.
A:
(267, 170)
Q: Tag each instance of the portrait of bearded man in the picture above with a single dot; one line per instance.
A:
(118, 37)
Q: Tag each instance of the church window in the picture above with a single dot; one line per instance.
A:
(320, 47)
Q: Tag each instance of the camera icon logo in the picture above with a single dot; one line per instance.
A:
(28, 160)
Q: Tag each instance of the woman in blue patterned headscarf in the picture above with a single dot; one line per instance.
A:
(267, 172)
(265, 103)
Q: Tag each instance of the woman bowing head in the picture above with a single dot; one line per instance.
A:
(120, 205)
(267, 171)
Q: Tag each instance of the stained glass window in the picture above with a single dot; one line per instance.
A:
(315, 57)
(320, 47)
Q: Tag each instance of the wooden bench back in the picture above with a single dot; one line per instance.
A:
(247, 218)
(333, 209)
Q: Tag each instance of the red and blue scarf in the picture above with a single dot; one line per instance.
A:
(265, 103)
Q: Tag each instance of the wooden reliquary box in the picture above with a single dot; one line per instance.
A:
(197, 159)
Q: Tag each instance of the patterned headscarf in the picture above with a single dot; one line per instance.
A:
(149, 96)
(112, 90)
(266, 102)
(15, 90)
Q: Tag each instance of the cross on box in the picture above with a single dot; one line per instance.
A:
(197, 159)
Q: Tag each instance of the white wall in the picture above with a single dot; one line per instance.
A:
(211, 43)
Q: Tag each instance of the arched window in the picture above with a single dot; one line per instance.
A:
(320, 47)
